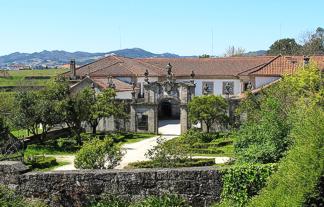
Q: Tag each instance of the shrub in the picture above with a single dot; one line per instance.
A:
(207, 151)
(98, 154)
(9, 198)
(301, 170)
(166, 153)
(40, 162)
(263, 138)
(182, 163)
(243, 181)
(67, 144)
(195, 136)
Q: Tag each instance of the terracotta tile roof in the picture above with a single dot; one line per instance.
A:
(120, 85)
(283, 65)
(229, 66)
(117, 66)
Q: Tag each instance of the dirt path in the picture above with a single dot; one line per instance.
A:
(65, 158)
(136, 151)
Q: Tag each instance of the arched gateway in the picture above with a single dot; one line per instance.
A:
(163, 101)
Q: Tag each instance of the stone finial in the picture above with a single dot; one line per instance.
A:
(205, 89)
(249, 86)
(192, 75)
(146, 76)
(306, 59)
(228, 88)
(111, 83)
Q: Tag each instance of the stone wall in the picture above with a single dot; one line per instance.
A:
(200, 186)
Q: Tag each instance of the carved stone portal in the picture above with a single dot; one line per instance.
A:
(166, 99)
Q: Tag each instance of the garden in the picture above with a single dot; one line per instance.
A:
(277, 151)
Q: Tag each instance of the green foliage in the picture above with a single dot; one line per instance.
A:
(180, 163)
(167, 153)
(263, 137)
(40, 162)
(242, 182)
(301, 170)
(67, 144)
(314, 43)
(209, 110)
(110, 201)
(9, 198)
(98, 154)
(201, 143)
(152, 201)
(287, 46)
(162, 201)
(103, 105)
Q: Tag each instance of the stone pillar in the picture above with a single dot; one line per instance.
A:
(133, 119)
(184, 118)
(152, 119)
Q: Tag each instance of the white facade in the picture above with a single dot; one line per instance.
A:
(124, 95)
(218, 85)
(261, 81)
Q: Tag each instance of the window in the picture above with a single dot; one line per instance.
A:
(228, 88)
(208, 86)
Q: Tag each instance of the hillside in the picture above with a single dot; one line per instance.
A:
(59, 57)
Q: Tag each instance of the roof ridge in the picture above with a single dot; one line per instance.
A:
(262, 65)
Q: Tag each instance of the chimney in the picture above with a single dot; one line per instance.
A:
(306, 60)
(72, 69)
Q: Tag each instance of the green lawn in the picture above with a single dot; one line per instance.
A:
(59, 164)
(17, 77)
(52, 148)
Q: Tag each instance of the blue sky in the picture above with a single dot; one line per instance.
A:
(178, 26)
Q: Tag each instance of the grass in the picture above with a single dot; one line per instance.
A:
(17, 78)
(20, 133)
(46, 149)
(59, 164)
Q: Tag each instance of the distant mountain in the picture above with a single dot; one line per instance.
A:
(59, 57)
(256, 53)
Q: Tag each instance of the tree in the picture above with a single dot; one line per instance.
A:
(209, 110)
(49, 105)
(103, 105)
(313, 42)
(287, 46)
(98, 154)
(76, 109)
(232, 51)
(204, 56)
(26, 115)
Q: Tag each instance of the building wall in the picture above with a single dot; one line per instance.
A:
(261, 81)
(218, 85)
(124, 95)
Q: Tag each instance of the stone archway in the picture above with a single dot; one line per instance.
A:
(169, 116)
(169, 109)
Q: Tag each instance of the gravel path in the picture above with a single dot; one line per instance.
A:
(65, 158)
(136, 151)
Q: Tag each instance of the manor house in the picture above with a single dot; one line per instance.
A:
(158, 90)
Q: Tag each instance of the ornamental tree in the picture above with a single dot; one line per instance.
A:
(209, 110)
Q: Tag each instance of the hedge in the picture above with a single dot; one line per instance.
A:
(184, 163)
